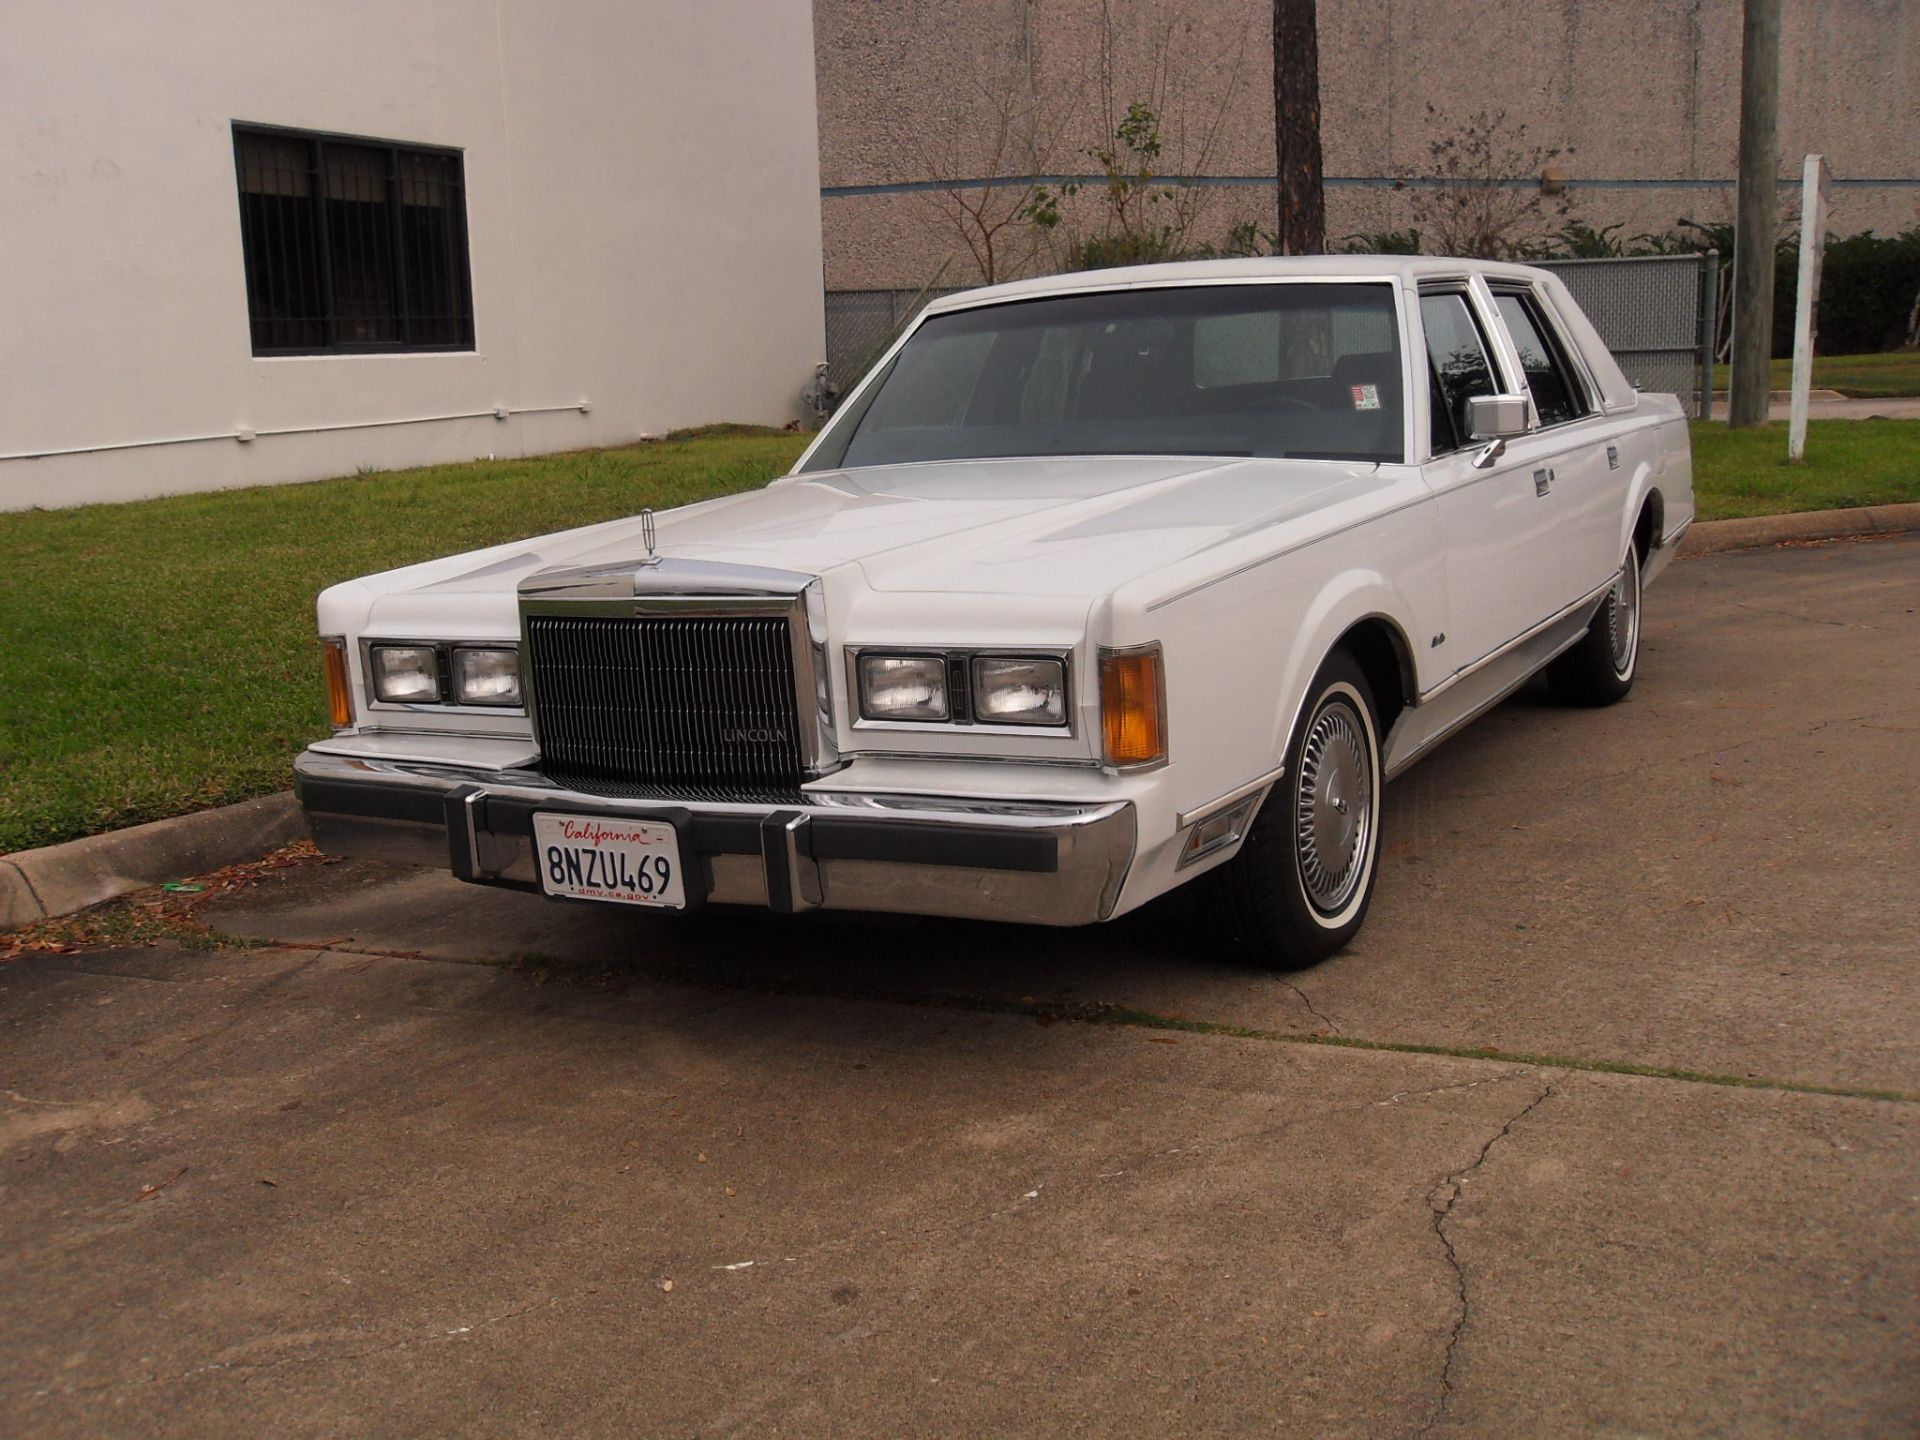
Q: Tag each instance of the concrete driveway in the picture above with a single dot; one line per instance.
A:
(1608, 1125)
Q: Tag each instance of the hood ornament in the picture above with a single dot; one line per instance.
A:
(647, 535)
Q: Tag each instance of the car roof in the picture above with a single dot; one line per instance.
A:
(1405, 268)
(1615, 390)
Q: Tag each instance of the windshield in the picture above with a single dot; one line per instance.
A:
(1302, 370)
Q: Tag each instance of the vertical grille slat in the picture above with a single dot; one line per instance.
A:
(695, 705)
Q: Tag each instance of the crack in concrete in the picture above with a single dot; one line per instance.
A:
(1399, 1095)
(27, 880)
(1455, 1185)
(1312, 1009)
(1134, 1163)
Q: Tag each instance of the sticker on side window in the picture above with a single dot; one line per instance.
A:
(1366, 397)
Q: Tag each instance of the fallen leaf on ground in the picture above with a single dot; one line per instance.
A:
(147, 1192)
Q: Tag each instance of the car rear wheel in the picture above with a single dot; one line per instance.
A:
(1299, 886)
(1599, 670)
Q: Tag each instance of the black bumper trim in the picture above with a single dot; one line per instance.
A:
(833, 837)
(371, 800)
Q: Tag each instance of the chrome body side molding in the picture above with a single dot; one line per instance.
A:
(1469, 693)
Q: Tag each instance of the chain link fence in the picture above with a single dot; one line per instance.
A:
(862, 323)
(1656, 313)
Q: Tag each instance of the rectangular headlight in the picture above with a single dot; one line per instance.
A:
(1019, 692)
(405, 674)
(903, 687)
(486, 675)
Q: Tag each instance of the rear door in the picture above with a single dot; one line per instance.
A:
(1505, 545)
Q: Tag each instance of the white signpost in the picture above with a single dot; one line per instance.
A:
(1806, 310)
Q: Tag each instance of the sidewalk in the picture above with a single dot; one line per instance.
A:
(1894, 407)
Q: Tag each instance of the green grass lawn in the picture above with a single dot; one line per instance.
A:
(1867, 377)
(160, 657)
(1849, 462)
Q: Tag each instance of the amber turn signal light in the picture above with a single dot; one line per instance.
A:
(1133, 715)
(333, 649)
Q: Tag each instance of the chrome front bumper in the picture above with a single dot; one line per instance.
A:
(1045, 864)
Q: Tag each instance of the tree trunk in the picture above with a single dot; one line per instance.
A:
(1296, 128)
(1759, 208)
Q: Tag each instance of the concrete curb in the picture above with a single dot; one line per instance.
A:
(61, 879)
(1710, 536)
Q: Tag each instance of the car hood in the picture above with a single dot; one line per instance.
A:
(1072, 527)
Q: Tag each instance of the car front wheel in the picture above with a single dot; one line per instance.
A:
(1299, 886)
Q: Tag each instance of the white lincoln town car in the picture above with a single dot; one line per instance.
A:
(1096, 585)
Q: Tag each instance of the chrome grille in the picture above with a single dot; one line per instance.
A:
(694, 705)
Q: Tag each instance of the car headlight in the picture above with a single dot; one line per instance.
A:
(1019, 692)
(485, 675)
(903, 687)
(405, 674)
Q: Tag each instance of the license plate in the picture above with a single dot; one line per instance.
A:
(627, 862)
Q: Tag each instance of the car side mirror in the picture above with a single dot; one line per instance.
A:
(1493, 420)
(1496, 417)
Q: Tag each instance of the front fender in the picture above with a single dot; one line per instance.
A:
(1350, 599)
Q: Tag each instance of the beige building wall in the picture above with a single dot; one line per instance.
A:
(643, 208)
(1645, 93)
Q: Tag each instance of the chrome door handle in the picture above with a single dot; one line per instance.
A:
(1542, 481)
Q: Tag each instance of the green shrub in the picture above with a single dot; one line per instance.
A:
(1867, 288)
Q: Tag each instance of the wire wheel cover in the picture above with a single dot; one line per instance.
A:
(1333, 807)
(1623, 615)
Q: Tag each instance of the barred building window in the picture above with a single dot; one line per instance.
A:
(352, 245)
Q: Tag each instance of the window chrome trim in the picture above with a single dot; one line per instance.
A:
(1462, 286)
(1576, 357)
(849, 408)
(1555, 339)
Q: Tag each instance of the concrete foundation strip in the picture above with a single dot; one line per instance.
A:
(62, 879)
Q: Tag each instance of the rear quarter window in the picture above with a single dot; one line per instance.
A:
(1557, 393)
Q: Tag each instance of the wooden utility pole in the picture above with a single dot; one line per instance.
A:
(1759, 211)
(1296, 128)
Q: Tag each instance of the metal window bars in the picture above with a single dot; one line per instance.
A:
(352, 245)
